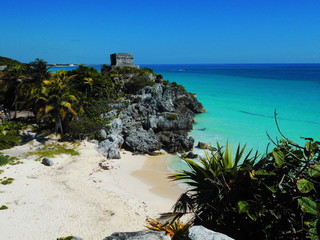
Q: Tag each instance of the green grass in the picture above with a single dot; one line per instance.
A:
(3, 207)
(54, 149)
(65, 238)
(4, 160)
(6, 181)
(172, 116)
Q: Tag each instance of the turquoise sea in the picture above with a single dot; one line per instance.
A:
(240, 100)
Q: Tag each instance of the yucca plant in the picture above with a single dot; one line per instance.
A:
(215, 186)
(177, 230)
(274, 197)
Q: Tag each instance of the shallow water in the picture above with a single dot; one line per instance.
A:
(241, 99)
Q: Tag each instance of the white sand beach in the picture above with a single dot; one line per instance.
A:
(87, 195)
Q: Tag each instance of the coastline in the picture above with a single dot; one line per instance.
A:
(78, 197)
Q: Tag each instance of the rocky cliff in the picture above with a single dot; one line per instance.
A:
(157, 116)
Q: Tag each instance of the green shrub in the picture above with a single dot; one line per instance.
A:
(84, 128)
(3, 207)
(9, 140)
(172, 116)
(136, 83)
(4, 160)
(275, 197)
(6, 181)
(10, 134)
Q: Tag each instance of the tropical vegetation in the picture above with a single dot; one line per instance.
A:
(70, 103)
(176, 230)
(276, 196)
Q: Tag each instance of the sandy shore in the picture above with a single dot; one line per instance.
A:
(86, 195)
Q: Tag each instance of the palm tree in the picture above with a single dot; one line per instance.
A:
(12, 80)
(55, 99)
(39, 70)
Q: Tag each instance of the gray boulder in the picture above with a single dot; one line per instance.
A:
(202, 233)
(47, 162)
(143, 235)
(175, 142)
(103, 134)
(115, 126)
(110, 147)
(142, 141)
(202, 145)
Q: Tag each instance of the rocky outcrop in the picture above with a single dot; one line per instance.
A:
(159, 116)
(194, 233)
(202, 233)
(143, 235)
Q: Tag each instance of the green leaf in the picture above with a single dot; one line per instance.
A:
(298, 154)
(243, 207)
(271, 188)
(314, 171)
(304, 185)
(263, 172)
(314, 231)
(253, 216)
(278, 156)
(308, 206)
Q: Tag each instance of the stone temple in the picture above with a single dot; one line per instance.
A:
(122, 60)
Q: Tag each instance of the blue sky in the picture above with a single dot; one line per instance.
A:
(162, 31)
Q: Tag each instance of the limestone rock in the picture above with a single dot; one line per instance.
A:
(142, 141)
(159, 116)
(189, 155)
(143, 235)
(202, 233)
(202, 145)
(47, 162)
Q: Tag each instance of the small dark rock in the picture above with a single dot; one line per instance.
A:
(189, 155)
(202, 145)
(47, 162)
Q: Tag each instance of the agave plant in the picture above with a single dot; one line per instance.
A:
(275, 197)
(214, 186)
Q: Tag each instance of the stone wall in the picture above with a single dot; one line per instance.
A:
(122, 60)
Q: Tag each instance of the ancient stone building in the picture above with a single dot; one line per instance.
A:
(122, 60)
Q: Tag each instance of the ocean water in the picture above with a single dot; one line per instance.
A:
(241, 99)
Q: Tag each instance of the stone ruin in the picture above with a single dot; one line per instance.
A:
(122, 60)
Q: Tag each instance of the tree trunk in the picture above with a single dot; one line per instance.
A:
(58, 124)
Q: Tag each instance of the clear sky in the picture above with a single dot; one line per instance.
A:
(161, 31)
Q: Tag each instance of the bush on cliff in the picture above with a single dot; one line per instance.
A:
(275, 197)
(136, 83)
